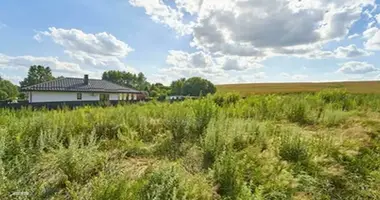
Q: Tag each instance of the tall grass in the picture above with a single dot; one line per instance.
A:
(295, 146)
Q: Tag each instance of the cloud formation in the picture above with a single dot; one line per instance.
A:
(24, 62)
(100, 49)
(354, 67)
(164, 14)
(350, 51)
(294, 76)
(373, 42)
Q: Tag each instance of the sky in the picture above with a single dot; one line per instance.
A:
(225, 41)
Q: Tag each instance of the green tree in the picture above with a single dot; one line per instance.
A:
(158, 89)
(196, 86)
(8, 90)
(126, 79)
(176, 87)
(3, 95)
(141, 81)
(37, 74)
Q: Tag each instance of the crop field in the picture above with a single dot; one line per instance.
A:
(270, 88)
(297, 146)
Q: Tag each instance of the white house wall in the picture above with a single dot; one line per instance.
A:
(61, 96)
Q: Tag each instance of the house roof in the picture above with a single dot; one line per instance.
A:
(77, 85)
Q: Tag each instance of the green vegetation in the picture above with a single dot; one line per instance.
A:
(7, 90)
(303, 146)
(37, 74)
(358, 87)
(195, 86)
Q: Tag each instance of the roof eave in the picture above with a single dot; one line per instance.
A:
(95, 91)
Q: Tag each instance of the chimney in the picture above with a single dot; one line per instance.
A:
(86, 79)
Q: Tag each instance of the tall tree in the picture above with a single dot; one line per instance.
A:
(176, 87)
(8, 90)
(37, 74)
(126, 79)
(196, 86)
(141, 81)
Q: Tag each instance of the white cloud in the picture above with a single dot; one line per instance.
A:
(160, 78)
(355, 67)
(251, 78)
(239, 34)
(294, 76)
(190, 6)
(99, 50)
(239, 63)
(14, 79)
(260, 28)
(24, 62)
(373, 42)
(370, 32)
(272, 25)
(164, 14)
(353, 36)
(192, 64)
(99, 44)
(300, 77)
(184, 65)
(350, 51)
(377, 17)
(37, 37)
(190, 60)
(201, 62)
(371, 24)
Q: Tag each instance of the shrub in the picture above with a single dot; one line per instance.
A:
(293, 149)
(203, 110)
(297, 112)
(227, 176)
(226, 99)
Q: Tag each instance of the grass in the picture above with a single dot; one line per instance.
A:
(323, 145)
(362, 87)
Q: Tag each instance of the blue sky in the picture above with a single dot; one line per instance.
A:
(226, 41)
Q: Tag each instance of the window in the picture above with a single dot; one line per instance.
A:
(134, 96)
(104, 97)
(121, 97)
(79, 96)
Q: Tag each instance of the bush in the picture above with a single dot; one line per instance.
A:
(293, 149)
(297, 112)
(226, 99)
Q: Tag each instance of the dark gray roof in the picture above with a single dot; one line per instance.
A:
(77, 85)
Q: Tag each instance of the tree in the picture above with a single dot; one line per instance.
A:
(177, 86)
(8, 90)
(126, 79)
(141, 81)
(196, 86)
(37, 74)
(158, 89)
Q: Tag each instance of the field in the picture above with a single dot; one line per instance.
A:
(270, 88)
(297, 146)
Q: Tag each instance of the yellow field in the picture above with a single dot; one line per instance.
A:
(267, 88)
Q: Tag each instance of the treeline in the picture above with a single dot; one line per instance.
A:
(194, 86)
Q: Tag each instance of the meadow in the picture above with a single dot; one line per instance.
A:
(323, 145)
(358, 87)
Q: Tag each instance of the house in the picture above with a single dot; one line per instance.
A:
(82, 90)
